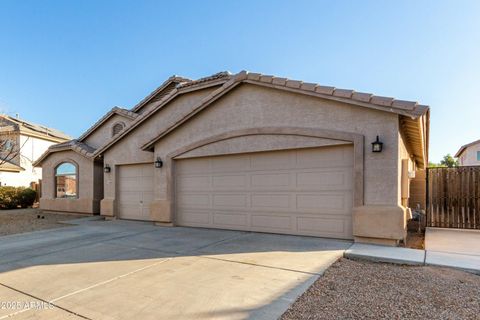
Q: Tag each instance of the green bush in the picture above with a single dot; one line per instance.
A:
(12, 197)
(26, 197)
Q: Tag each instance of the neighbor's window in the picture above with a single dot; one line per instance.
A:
(117, 128)
(478, 155)
(66, 180)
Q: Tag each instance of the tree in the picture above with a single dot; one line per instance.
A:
(449, 161)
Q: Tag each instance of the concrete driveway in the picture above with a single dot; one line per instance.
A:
(128, 270)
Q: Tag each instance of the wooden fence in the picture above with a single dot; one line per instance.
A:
(453, 197)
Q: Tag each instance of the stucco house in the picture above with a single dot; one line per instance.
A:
(21, 143)
(469, 154)
(248, 152)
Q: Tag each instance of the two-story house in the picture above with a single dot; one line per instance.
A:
(469, 154)
(21, 143)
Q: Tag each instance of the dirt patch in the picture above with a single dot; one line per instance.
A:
(25, 220)
(366, 290)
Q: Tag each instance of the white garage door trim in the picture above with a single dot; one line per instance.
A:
(276, 191)
(134, 191)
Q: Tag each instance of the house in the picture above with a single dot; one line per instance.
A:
(21, 143)
(248, 152)
(469, 154)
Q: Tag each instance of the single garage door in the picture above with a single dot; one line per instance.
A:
(302, 191)
(135, 191)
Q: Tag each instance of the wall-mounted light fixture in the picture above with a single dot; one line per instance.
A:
(107, 169)
(377, 145)
(158, 163)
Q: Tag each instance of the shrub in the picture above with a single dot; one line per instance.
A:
(8, 197)
(26, 197)
(11, 197)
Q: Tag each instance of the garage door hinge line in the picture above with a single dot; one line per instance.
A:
(40, 299)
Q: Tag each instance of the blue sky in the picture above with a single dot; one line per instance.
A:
(65, 63)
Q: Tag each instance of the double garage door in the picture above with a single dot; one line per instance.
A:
(302, 191)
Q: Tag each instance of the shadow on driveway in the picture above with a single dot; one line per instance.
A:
(121, 270)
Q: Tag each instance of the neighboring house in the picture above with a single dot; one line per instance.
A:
(248, 152)
(469, 154)
(21, 143)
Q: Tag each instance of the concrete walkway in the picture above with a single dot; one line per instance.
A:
(470, 263)
(129, 270)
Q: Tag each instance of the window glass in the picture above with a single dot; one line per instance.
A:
(66, 180)
(478, 155)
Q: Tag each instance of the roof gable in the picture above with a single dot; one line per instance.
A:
(73, 145)
(115, 110)
(466, 146)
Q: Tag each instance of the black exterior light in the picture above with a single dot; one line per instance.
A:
(107, 169)
(158, 163)
(377, 145)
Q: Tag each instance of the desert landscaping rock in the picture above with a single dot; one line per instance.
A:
(26, 220)
(366, 290)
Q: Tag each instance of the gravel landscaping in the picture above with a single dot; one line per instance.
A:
(365, 290)
(25, 220)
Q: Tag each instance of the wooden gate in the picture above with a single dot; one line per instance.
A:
(453, 197)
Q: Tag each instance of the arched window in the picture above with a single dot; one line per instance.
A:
(117, 127)
(66, 178)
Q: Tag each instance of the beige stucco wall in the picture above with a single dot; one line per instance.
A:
(103, 133)
(89, 193)
(249, 106)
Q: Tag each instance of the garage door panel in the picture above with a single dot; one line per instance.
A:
(237, 163)
(230, 200)
(318, 202)
(233, 182)
(271, 201)
(317, 158)
(272, 160)
(275, 191)
(269, 180)
(187, 183)
(231, 219)
(272, 222)
(129, 197)
(195, 218)
(325, 180)
(315, 225)
(193, 200)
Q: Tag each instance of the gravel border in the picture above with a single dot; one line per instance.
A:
(367, 290)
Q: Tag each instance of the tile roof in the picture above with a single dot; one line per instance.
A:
(38, 129)
(172, 80)
(213, 77)
(411, 108)
(74, 145)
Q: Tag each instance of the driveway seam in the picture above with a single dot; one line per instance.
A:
(262, 266)
(40, 299)
(111, 280)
